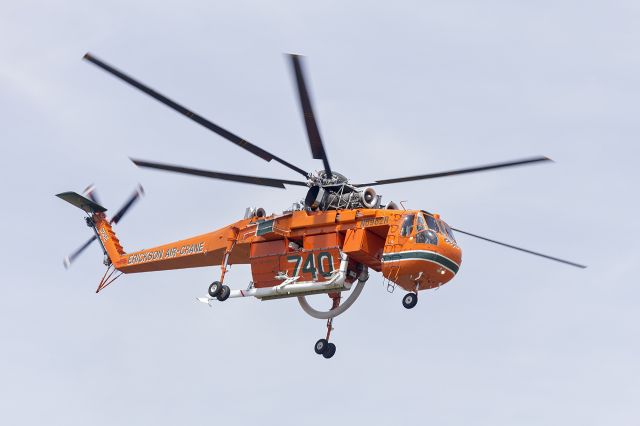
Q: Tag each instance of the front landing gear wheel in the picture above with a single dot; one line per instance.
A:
(224, 293)
(410, 300)
(330, 351)
(321, 346)
(215, 288)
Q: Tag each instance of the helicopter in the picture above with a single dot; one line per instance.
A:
(327, 243)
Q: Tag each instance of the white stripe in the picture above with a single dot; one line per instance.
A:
(418, 258)
(419, 251)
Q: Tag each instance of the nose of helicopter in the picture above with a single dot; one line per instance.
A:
(423, 266)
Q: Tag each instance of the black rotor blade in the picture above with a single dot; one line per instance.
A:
(69, 259)
(242, 143)
(255, 180)
(460, 171)
(566, 262)
(90, 192)
(315, 141)
(139, 192)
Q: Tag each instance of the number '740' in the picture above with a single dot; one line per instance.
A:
(314, 263)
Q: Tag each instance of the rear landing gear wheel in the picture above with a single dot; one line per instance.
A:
(224, 293)
(410, 300)
(321, 346)
(215, 288)
(330, 351)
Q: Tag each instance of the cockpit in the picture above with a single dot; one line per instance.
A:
(427, 228)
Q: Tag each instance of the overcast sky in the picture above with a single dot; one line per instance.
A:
(408, 88)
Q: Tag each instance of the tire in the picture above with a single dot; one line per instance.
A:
(225, 292)
(215, 288)
(410, 300)
(331, 351)
(321, 346)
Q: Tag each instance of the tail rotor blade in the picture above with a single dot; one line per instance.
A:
(139, 192)
(566, 262)
(72, 257)
(90, 192)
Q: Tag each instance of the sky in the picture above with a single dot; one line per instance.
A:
(399, 88)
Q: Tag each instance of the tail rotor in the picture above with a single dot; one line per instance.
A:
(90, 193)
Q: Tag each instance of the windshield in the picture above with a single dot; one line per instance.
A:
(424, 235)
(439, 226)
(432, 224)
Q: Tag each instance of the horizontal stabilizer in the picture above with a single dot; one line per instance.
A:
(81, 202)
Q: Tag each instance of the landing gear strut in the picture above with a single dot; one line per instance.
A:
(217, 290)
(323, 346)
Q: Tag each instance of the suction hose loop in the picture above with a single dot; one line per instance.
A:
(332, 313)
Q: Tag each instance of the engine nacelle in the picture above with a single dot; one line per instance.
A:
(319, 198)
(391, 206)
(254, 212)
(315, 197)
(369, 198)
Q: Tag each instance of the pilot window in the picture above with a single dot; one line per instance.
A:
(432, 223)
(449, 231)
(407, 225)
(424, 235)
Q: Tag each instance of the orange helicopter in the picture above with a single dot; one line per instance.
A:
(326, 243)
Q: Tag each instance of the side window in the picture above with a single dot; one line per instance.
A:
(407, 225)
(449, 231)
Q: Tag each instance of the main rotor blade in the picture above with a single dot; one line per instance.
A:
(315, 141)
(139, 192)
(275, 183)
(460, 171)
(69, 259)
(566, 262)
(242, 143)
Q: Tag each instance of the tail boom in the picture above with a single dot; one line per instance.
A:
(202, 250)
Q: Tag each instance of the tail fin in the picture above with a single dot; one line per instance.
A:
(81, 202)
(107, 237)
(100, 224)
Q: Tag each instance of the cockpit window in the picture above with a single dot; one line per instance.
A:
(432, 223)
(445, 230)
(424, 235)
(449, 232)
(407, 225)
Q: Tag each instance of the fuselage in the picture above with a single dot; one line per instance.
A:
(412, 248)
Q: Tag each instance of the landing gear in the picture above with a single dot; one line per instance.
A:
(225, 291)
(331, 350)
(410, 300)
(215, 289)
(321, 346)
(324, 348)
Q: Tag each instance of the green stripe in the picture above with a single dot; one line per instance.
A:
(429, 255)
